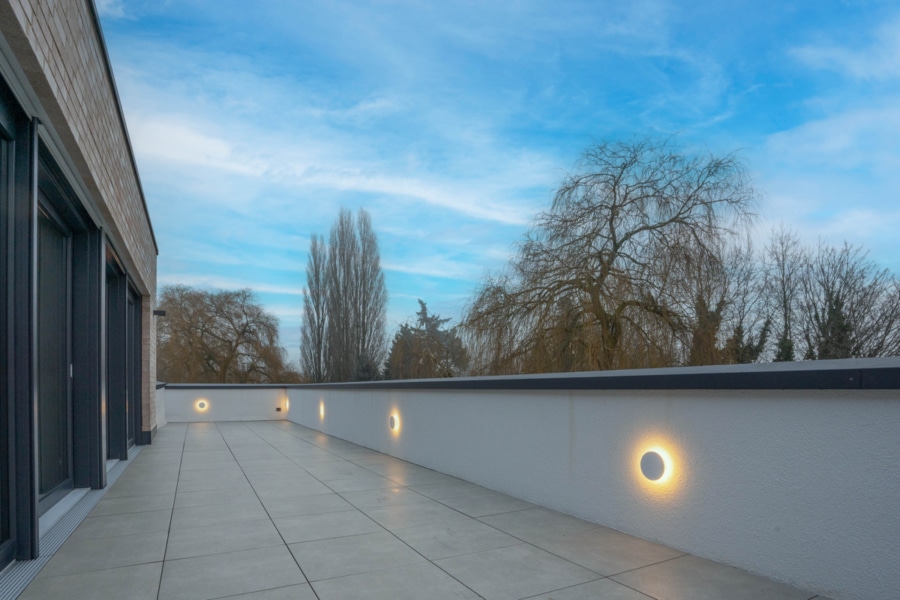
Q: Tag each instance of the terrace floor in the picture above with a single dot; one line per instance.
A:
(275, 511)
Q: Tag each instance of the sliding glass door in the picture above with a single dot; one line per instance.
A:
(54, 360)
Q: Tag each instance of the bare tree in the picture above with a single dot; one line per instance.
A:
(372, 300)
(313, 329)
(747, 316)
(343, 292)
(218, 337)
(343, 333)
(850, 307)
(595, 266)
(785, 266)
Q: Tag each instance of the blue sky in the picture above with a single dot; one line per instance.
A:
(453, 122)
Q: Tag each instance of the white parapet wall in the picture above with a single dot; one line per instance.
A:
(201, 402)
(800, 485)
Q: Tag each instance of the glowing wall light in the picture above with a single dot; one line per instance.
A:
(394, 423)
(321, 410)
(287, 404)
(201, 405)
(656, 465)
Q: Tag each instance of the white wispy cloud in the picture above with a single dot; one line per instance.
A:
(879, 60)
(213, 282)
(110, 8)
(859, 137)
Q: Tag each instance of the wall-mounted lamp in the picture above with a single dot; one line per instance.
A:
(656, 465)
(394, 423)
(201, 405)
(321, 410)
(652, 465)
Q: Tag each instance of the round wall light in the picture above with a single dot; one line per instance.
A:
(653, 465)
(202, 405)
(394, 422)
(321, 411)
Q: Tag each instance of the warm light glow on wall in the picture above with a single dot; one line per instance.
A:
(201, 405)
(321, 410)
(394, 423)
(287, 404)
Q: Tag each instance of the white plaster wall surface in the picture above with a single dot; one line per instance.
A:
(800, 486)
(160, 397)
(225, 404)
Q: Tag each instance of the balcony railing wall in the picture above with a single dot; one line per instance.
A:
(180, 403)
(788, 471)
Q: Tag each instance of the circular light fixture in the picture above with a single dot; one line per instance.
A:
(653, 466)
(394, 422)
(321, 410)
(201, 405)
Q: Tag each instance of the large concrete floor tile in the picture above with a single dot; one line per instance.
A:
(383, 497)
(308, 528)
(305, 505)
(483, 504)
(326, 559)
(79, 556)
(192, 454)
(233, 573)
(410, 582)
(269, 470)
(158, 458)
(412, 515)
(606, 550)
(360, 483)
(276, 482)
(214, 479)
(141, 487)
(119, 525)
(420, 476)
(201, 516)
(291, 592)
(336, 469)
(132, 504)
(448, 489)
(605, 589)
(139, 582)
(145, 470)
(514, 572)
(222, 469)
(291, 490)
(185, 542)
(213, 497)
(537, 523)
(442, 540)
(259, 463)
(213, 484)
(693, 578)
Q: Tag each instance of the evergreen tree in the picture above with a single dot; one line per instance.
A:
(426, 349)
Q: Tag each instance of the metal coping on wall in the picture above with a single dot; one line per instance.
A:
(846, 374)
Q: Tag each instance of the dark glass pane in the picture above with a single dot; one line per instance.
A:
(5, 450)
(53, 400)
(129, 372)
